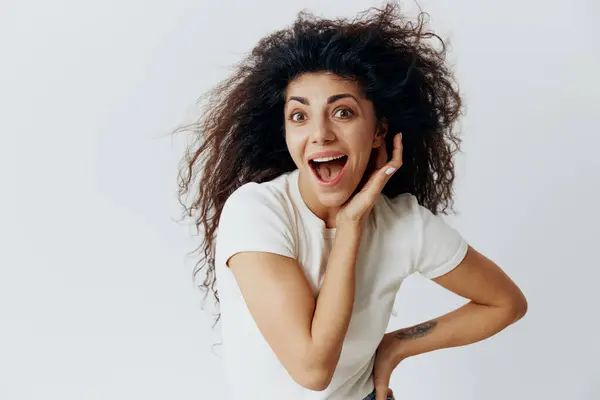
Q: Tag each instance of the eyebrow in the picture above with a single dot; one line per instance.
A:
(330, 99)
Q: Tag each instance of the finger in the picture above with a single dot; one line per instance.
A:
(377, 180)
(396, 160)
(372, 189)
(379, 177)
(381, 156)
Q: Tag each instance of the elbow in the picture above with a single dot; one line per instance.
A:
(318, 384)
(316, 379)
(313, 368)
(519, 308)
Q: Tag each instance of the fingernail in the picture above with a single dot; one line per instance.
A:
(400, 135)
(390, 171)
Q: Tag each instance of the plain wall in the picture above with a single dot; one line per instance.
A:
(96, 295)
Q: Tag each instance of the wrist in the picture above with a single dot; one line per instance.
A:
(350, 222)
(399, 349)
(352, 227)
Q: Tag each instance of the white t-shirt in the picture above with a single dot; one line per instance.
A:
(401, 237)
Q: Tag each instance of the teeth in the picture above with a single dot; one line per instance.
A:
(325, 159)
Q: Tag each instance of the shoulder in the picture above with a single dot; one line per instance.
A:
(270, 193)
(404, 205)
(254, 218)
(255, 200)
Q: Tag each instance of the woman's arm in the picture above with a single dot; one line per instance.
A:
(306, 335)
(496, 302)
(334, 304)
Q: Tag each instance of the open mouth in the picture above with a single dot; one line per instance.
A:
(330, 170)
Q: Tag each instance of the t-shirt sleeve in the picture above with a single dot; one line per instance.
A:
(253, 219)
(440, 247)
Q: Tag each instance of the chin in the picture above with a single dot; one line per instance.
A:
(333, 199)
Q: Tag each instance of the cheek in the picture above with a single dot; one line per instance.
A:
(360, 138)
(362, 149)
(295, 147)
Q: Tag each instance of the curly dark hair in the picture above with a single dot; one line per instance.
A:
(240, 135)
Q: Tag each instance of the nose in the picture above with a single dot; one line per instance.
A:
(322, 134)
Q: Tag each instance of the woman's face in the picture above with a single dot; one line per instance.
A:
(325, 113)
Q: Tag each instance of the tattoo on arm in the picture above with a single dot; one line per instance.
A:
(415, 332)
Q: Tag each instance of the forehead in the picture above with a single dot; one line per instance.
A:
(321, 84)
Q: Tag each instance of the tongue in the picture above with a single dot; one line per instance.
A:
(329, 170)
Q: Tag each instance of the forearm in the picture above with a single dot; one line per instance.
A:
(468, 324)
(334, 304)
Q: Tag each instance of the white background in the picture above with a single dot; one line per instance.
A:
(96, 295)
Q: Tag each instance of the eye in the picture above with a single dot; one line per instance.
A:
(294, 114)
(346, 110)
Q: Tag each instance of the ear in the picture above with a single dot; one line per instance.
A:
(380, 133)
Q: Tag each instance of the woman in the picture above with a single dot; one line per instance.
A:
(326, 160)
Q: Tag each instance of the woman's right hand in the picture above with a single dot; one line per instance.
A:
(358, 207)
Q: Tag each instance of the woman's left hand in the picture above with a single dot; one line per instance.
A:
(385, 362)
